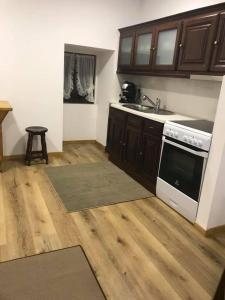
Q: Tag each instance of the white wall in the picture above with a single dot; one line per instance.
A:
(151, 9)
(33, 34)
(211, 212)
(197, 98)
(108, 92)
(80, 120)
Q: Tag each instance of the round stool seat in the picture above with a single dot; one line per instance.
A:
(36, 129)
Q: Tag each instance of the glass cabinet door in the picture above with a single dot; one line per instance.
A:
(143, 49)
(166, 46)
(126, 47)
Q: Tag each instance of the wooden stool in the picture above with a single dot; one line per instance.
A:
(36, 130)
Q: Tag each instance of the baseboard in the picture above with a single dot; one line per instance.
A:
(14, 157)
(200, 229)
(79, 142)
(215, 231)
(99, 145)
(22, 156)
(212, 231)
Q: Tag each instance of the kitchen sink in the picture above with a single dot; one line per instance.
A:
(139, 107)
(147, 109)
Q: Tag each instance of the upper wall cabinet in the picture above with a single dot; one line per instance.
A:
(126, 49)
(143, 51)
(218, 59)
(166, 46)
(188, 43)
(197, 42)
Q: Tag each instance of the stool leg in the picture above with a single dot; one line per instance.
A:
(44, 148)
(29, 149)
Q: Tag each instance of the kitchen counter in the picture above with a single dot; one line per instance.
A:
(155, 117)
(5, 107)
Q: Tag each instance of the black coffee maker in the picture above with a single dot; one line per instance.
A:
(129, 92)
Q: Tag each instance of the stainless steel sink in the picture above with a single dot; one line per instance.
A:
(147, 109)
(139, 107)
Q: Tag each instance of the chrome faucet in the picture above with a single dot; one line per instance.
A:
(156, 105)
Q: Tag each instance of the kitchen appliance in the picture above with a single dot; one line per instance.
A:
(183, 161)
(129, 92)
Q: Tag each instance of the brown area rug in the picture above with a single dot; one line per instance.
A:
(91, 185)
(58, 275)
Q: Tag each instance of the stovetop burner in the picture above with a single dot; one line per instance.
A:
(202, 125)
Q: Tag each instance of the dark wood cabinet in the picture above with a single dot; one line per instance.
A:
(150, 156)
(218, 58)
(188, 43)
(115, 136)
(144, 47)
(126, 50)
(197, 42)
(166, 46)
(150, 160)
(134, 145)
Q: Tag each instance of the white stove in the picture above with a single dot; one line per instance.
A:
(183, 161)
(197, 133)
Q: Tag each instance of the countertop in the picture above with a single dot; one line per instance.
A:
(155, 117)
(5, 106)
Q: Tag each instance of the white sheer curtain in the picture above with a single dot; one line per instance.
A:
(85, 68)
(69, 60)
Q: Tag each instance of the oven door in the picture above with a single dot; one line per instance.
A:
(182, 167)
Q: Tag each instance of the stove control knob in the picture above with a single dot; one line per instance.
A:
(172, 134)
(185, 138)
(176, 135)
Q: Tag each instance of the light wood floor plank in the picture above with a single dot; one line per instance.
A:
(139, 250)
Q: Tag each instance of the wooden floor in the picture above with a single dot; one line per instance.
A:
(139, 250)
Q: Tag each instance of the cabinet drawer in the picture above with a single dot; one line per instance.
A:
(134, 121)
(153, 127)
(117, 113)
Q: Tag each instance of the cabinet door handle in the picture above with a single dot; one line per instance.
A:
(141, 153)
(153, 49)
(151, 127)
(124, 144)
(215, 42)
(180, 45)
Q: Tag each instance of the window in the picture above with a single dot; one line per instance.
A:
(79, 78)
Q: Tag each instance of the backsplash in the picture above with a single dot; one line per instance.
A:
(196, 98)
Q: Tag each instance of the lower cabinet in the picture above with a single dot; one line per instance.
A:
(115, 136)
(134, 144)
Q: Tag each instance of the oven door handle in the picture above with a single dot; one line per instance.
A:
(198, 153)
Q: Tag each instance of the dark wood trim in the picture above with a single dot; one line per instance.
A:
(147, 30)
(220, 292)
(164, 27)
(127, 34)
(195, 12)
(205, 25)
(198, 61)
(218, 55)
(157, 73)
